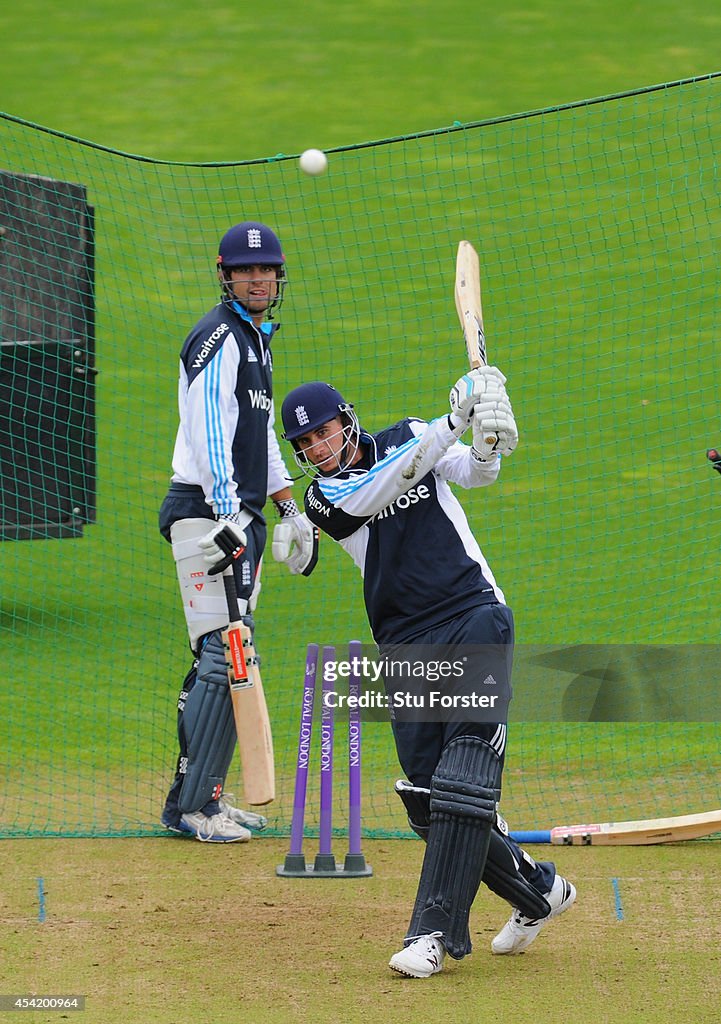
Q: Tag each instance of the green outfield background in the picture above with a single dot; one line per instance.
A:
(598, 226)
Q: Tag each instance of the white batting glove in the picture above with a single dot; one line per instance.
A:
(222, 545)
(494, 428)
(468, 391)
(295, 540)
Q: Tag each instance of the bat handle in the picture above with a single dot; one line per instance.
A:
(231, 594)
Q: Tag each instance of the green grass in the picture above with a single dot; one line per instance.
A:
(598, 229)
(128, 926)
(199, 82)
(599, 234)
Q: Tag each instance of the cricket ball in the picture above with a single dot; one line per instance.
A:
(313, 162)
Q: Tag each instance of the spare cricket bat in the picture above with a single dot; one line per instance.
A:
(628, 833)
(252, 724)
(470, 311)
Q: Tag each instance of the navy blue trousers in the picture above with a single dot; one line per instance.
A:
(419, 744)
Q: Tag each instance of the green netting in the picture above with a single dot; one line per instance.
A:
(598, 226)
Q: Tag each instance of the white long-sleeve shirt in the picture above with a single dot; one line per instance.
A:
(226, 441)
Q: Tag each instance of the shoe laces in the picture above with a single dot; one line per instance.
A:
(214, 824)
(427, 936)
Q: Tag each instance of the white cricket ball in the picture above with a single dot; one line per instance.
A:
(313, 161)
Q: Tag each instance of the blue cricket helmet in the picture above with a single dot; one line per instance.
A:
(249, 243)
(309, 406)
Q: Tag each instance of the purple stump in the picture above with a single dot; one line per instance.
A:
(325, 861)
(354, 750)
(295, 860)
(355, 863)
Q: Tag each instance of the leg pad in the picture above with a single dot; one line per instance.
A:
(507, 865)
(505, 875)
(417, 802)
(209, 728)
(462, 810)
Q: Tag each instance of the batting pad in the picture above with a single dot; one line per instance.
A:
(204, 603)
(207, 721)
(503, 874)
(463, 809)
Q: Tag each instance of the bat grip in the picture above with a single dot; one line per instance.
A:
(231, 594)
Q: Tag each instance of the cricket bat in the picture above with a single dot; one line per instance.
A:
(252, 724)
(468, 304)
(628, 833)
(470, 311)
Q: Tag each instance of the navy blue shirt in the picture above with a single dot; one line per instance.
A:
(226, 444)
(397, 517)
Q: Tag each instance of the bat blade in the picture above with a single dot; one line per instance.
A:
(470, 312)
(250, 711)
(468, 303)
(645, 832)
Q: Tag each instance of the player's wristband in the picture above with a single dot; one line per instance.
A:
(287, 507)
(241, 518)
(229, 517)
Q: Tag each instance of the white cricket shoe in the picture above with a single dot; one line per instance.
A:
(520, 931)
(251, 820)
(422, 958)
(218, 828)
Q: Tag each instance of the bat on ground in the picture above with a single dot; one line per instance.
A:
(468, 305)
(252, 724)
(628, 833)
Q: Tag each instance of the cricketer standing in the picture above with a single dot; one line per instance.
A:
(226, 463)
(385, 498)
